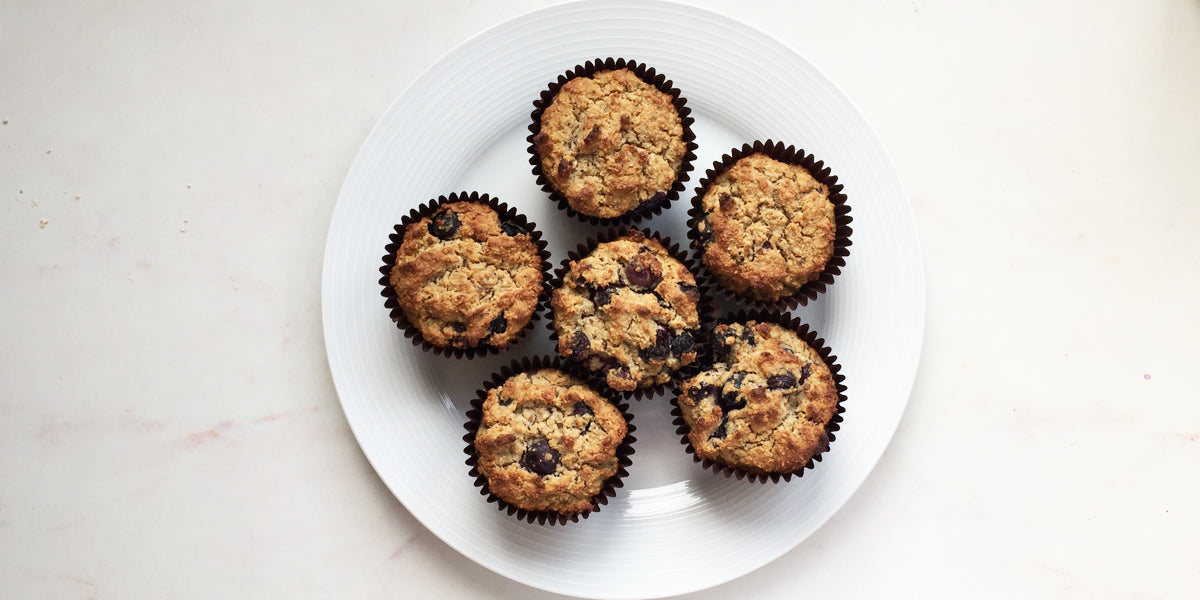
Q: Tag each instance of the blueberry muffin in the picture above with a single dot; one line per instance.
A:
(629, 312)
(765, 404)
(766, 227)
(610, 143)
(548, 442)
(465, 278)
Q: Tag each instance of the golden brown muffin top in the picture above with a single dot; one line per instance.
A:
(610, 142)
(768, 227)
(465, 279)
(546, 441)
(628, 311)
(764, 405)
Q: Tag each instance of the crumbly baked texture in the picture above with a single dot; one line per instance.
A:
(764, 406)
(610, 142)
(466, 279)
(768, 227)
(628, 311)
(546, 441)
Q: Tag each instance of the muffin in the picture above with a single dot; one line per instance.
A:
(766, 227)
(611, 142)
(545, 441)
(628, 311)
(766, 404)
(463, 276)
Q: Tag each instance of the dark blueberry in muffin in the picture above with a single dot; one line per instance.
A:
(581, 409)
(640, 272)
(581, 346)
(747, 335)
(539, 458)
(737, 379)
(603, 296)
(683, 344)
(457, 340)
(805, 371)
(498, 325)
(783, 381)
(731, 401)
(444, 225)
(622, 372)
(662, 345)
(512, 229)
(721, 350)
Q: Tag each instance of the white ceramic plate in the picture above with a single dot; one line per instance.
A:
(461, 126)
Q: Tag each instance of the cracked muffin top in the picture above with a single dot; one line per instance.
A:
(548, 442)
(464, 278)
(629, 312)
(764, 405)
(610, 142)
(767, 228)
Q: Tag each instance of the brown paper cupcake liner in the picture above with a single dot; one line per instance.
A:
(817, 343)
(841, 211)
(507, 215)
(647, 209)
(705, 307)
(544, 517)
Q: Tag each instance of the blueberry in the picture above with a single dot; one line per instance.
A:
(581, 346)
(444, 225)
(731, 401)
(603, 296)
(662, 345)
(707, 390)
(539, 458)
(623, 373)
(683, 344)
(457, 339)
(738, 378)
(606, 364)
(640, 272)
(747, 335)
(779, 382)
(805, 371)
(512, 229)
(722, 351)
(581, 409)
(498, 325)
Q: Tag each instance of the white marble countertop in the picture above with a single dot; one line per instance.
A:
(169, 429)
